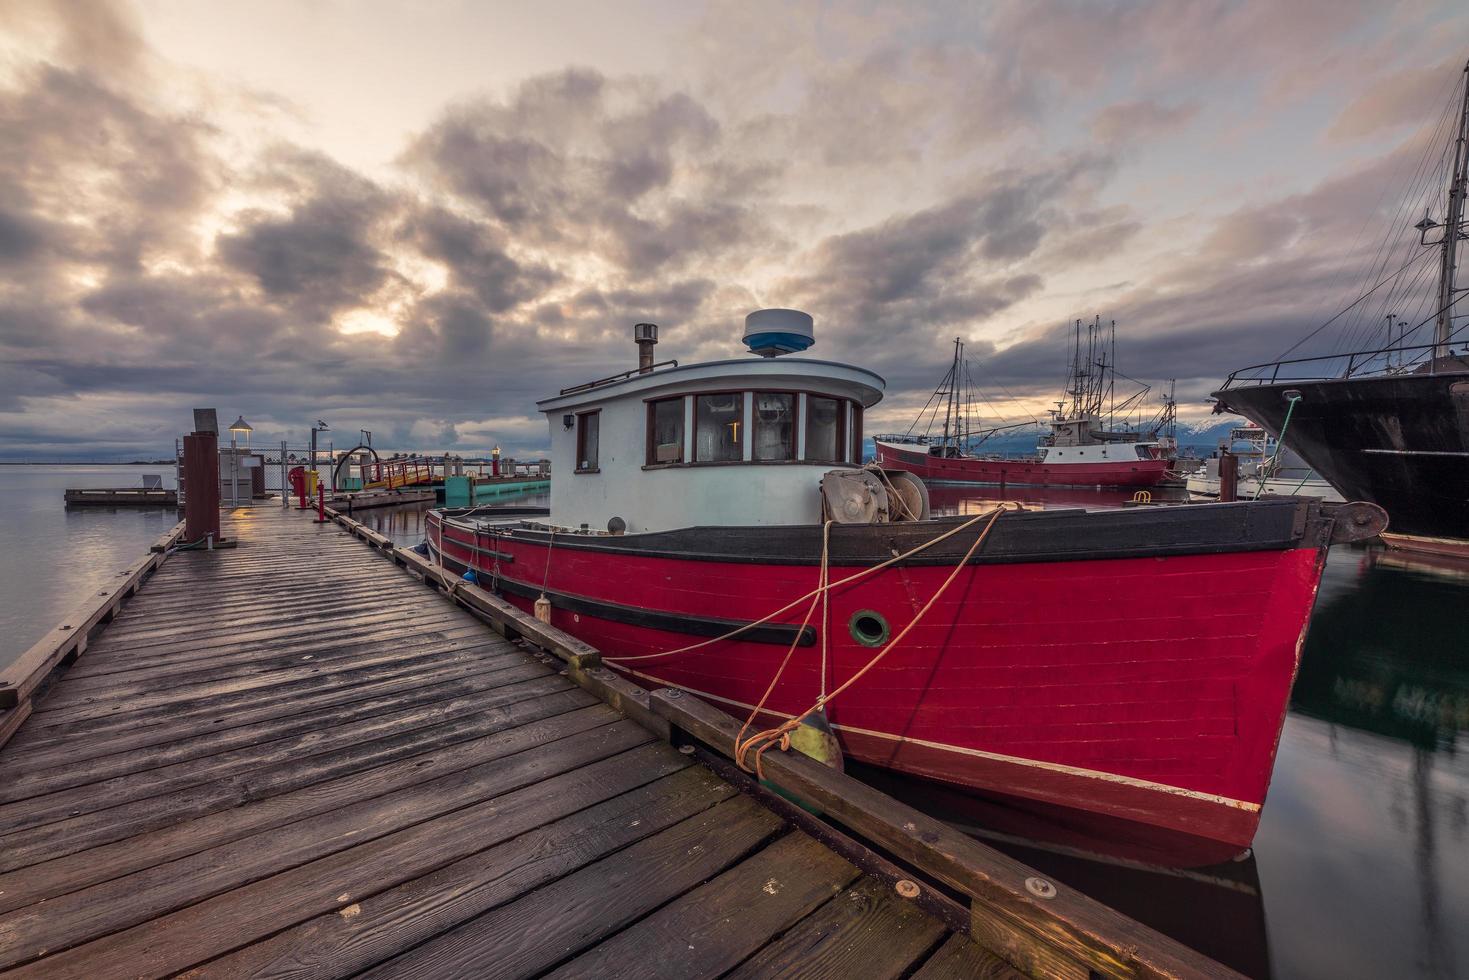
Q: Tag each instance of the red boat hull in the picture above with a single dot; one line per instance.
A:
(1023, 472)
(1150, 690)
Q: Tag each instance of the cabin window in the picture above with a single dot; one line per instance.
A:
(665, 431)
(857, 433)
(588, 432)
(719, 422)
(824, 418)
(775, 426)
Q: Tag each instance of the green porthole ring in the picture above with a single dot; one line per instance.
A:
(869, 628)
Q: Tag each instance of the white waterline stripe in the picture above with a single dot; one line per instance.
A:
(1110, 777)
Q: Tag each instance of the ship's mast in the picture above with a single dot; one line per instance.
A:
(1452, 231)
(952, 418)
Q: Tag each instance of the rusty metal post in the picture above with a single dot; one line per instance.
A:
(1228, 477)
(201, 478)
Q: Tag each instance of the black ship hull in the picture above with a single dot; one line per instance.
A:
(1399, 441)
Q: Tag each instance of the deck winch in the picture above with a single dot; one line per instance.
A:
(873, 496)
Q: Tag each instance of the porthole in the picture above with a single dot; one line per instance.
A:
(868, 628)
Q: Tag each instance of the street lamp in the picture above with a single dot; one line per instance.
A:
(237, 428)
(320, 426)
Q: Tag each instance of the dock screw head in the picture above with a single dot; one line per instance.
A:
(906, 888)
(1040, 887)
(686, 749)
(672, 693)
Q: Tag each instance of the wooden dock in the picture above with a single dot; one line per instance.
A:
(293, 758)
(351, 501)
(122, 497)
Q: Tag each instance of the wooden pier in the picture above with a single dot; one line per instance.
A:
(295, 758)
(122, 497)
(351, 501)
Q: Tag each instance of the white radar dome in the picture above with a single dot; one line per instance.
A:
(771, 333)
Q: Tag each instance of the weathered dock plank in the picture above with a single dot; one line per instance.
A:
(292, 758)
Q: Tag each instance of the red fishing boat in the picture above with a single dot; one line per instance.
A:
(1084, 448)
(697, 510)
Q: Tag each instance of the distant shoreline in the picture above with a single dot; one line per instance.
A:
(86, 462)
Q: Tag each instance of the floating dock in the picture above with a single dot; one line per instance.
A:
(351, 501)
(122, 497)
(293, 757)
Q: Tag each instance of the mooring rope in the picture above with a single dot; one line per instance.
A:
(1267, 468)
(781, 734)
(870, 570)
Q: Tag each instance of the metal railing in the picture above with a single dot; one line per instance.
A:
(394, 473)
(1411, 359)
(588, 386)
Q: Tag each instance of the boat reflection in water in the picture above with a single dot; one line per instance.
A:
(1374, 751)
(1358, 867)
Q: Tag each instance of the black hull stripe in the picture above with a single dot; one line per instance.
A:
(773, 633)
(1038, 536)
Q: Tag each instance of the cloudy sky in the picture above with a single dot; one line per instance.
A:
(418, 217)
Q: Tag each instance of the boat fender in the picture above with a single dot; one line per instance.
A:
(470, 577)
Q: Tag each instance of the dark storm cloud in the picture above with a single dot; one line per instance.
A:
(152, 265)
(896, 294)
(124, 179)
(23, 236)
(475, 253)
(322, 255)
(617, 169)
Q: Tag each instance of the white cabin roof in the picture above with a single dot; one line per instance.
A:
(867, 386)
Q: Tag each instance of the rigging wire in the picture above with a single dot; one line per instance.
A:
(1420, 182)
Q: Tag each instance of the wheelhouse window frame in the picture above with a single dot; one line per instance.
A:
(792, 444)
(651, 458)
(839, 440)
(743, 420)
(592, 417)
(799, 449)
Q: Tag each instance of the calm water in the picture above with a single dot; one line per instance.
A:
(55, 556)
(1361, 865)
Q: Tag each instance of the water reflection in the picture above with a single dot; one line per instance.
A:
(56, 556)
(1372, 774)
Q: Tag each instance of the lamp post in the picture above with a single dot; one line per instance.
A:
(238, 428)
(320, 426)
